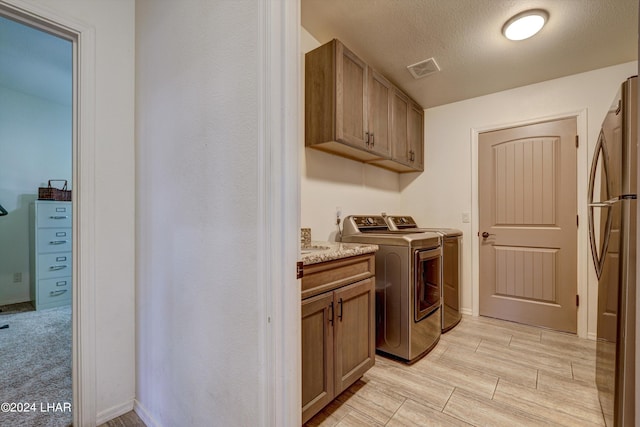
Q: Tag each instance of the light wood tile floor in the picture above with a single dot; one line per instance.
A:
(484, 372)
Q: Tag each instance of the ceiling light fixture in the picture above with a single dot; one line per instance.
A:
(525, 24)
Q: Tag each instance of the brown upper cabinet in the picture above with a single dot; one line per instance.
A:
(350, 111)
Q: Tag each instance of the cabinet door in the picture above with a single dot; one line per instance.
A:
(415, 133)
(354, 332)
(399, 137)
(351, 97)
(317, 354)
(379, 118)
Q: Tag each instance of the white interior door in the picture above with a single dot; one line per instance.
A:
(528, 224)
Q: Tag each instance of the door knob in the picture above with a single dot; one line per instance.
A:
(485, 235)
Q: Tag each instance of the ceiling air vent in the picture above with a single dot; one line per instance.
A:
(423, 68)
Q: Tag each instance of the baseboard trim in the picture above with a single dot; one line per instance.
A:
(14, 301)
(466, 311)
(114, 412)
(592, 336)
(144, 414)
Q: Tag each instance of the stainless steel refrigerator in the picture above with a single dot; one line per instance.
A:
(612, 234)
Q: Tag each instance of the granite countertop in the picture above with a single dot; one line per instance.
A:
(328, 251)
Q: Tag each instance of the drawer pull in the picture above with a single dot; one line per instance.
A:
(59, 217)
(57, 267)
(57, 242)
(57, 293)
(61, 283)
(340, 309)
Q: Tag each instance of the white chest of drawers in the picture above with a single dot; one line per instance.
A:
(51, 244)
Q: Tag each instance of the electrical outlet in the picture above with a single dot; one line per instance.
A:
(17, 277)
(466, 217)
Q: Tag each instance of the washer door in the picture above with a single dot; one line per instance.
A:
(427, 283)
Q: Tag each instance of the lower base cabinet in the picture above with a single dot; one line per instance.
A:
(338, 347)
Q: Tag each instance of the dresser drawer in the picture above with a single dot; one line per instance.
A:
(54, 214)
(53, 291)
(54, 265)
(54, 240)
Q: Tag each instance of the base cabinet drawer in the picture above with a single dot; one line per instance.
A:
(338, 342)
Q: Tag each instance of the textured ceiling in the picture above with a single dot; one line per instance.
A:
(464, 37)
(35, 62)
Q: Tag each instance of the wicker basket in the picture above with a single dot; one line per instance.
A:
(52, 193)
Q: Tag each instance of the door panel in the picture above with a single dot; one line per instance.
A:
(415, 136)
(526, 273)
(351, 96)
(399, 136)
(354, 332)
(527, 186)
(525, 181)
(379, 118)
(317, 354)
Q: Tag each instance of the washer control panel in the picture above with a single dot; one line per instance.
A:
(403, 222)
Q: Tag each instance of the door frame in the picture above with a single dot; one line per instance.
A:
(581, 191)
(83, 153)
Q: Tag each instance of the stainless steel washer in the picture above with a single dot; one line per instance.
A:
(408, 286)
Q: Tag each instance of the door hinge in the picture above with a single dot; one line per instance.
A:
(577, 141)
(299, 270)
(577, 300)
(577, 220)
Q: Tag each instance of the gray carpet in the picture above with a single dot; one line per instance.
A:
(35, 367)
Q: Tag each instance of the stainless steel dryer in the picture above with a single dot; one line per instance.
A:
(451, 265)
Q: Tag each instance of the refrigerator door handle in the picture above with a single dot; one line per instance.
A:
(605, 203)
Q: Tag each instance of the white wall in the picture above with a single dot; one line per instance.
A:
(114, 174)
(440, 195)
(197, 125)
(35, 145)
(329, 181)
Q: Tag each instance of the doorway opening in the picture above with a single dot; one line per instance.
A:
(37, 142)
